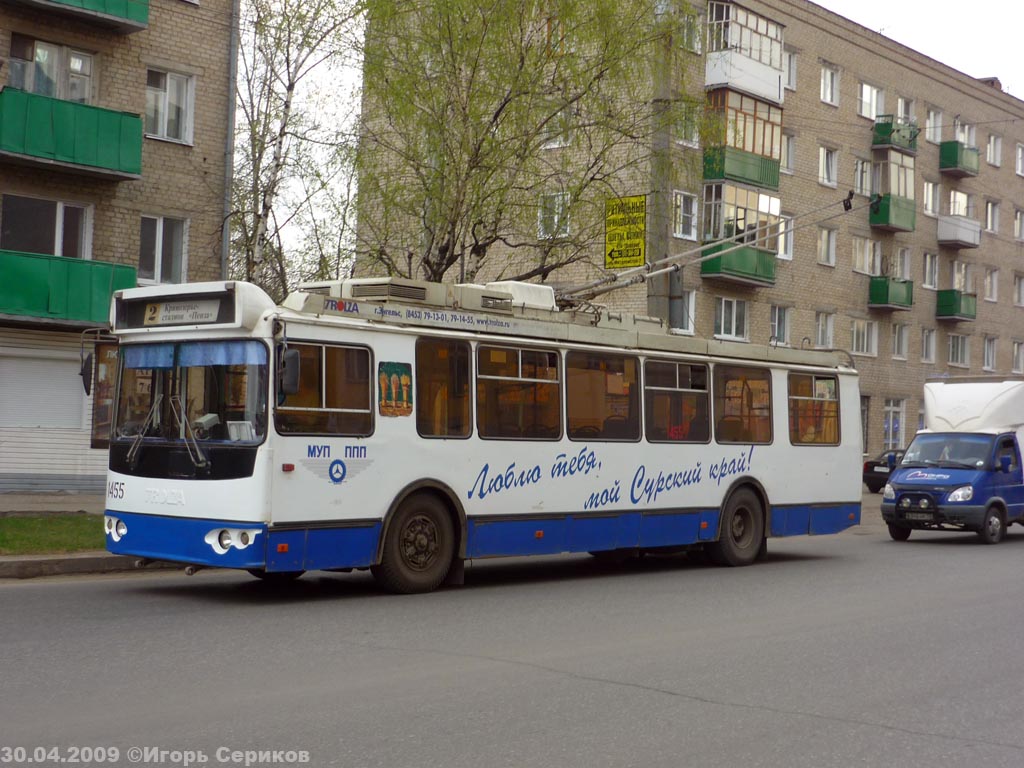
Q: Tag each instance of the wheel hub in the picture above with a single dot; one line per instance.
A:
(419, 542)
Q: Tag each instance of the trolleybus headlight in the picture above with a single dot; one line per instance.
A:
(963, 493)
(114, 528)
(224, 539)
(108, 524)
(120, 529)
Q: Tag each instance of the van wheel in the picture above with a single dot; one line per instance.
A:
(418, 547)
(994, 527)
(899, 532)
(741, 532)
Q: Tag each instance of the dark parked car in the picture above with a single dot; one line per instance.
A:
(876, 471)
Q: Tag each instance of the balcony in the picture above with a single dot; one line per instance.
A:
(733, 69)
(79, 138)
(123, 16)
(746, 265)
(890, 293)
(956, 305)
(891, 132)
(957, 159)
(59, 290)
(893, 213)
(745, 167)
(958, 231)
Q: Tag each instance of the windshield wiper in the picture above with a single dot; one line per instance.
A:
(133, 451)
(195, 452)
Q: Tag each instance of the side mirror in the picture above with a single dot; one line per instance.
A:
(1004, 464)
(891, 460)
(86, 373)
(289, 383)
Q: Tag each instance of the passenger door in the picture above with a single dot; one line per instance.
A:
(1009, 485)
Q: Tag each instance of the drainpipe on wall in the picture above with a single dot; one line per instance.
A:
(229, 139)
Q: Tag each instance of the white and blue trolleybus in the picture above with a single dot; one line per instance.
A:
(407, 427)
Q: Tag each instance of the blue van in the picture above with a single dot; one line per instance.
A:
(963, 472)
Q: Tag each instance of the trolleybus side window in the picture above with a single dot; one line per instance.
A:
(442, 388)
(676, 402)
(518, 393)
(602, 396)
(334, 396)
(743, 404)
(813, 409)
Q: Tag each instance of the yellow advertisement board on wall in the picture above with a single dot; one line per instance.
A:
(625, 232)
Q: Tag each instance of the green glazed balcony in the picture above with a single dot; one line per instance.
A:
(747, 265)
(956, 305)
(124, 16)
(890, 293)
(47, 132)
(744, 167)
(957, 159)
(60, 290)
(890, 132)
(893, 213)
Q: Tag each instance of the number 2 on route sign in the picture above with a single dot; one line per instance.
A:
(625, 232)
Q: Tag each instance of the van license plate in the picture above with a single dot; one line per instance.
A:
(918, 516)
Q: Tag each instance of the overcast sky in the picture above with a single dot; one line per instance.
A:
(981, 38)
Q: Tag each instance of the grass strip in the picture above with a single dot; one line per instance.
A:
(50, 534)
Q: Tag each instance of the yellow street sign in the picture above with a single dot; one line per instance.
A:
(625, 231)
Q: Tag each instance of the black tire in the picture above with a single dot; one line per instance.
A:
(899, 532)
(418, 547)
(742, 530)
(994, 528)
(874, 487)
(275, 577)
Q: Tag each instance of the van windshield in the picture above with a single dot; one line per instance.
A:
(949, 449)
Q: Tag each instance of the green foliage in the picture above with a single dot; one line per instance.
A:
(45, 534)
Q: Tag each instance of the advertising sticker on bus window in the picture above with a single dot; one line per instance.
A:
(395, 395)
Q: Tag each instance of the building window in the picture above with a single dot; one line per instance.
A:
(684, 215)
(994, 150)
(862, 177)
(162, 250)
(786, 164)
(785, 237)
(991, 216)
(789, 69)
(688, 127)
(892, 429)
(1018, 357)
(930, 277)
(780, 325)
(1018, 290)
(169, 100)
(829, 84)
(734, 28)
(559, 130)
(961, 276)
(901, 264)
(905, 110)
(554, 216)
(867, 255)
(688, 300)
(959, 350)
(872, 101)
(748, 215)
(50, 70)
(931, 198)
(960, 203)
(864, 337)
(1018, 224)
(991, 284)
(827, 166)
(933, 125)
(989, 357)
(52, 227)
(900, 335)
(827, 246)
(751, 125)
(731, 319)
(824, 324)
(691, 32)
(927, 345)
(1020, 159)
(964, 132)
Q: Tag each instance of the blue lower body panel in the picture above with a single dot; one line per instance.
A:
(814, 519)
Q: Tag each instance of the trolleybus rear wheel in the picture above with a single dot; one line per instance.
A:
(742, 530)
(418, 546)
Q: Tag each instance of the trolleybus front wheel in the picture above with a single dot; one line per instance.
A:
(742, 531)
(418, 547)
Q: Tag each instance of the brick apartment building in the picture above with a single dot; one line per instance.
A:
(115, 131)
(922, 276)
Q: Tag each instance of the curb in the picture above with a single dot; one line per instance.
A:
(77, 563)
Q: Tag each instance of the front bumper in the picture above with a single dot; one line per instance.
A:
(185, 540)
(959, 516)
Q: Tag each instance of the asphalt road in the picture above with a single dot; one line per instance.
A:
(850, 650)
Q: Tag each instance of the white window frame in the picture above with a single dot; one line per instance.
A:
(933, 125)
(730, 314)
(900, 339)
(991, 284)
(864, 337)
(160, 131)
(827, 246)
(1018, 357)
(1020, 160)
(870, 101)
(964, 132)
(58, 224)
(959, 350)
(867, 255)
(1018, 224)
(927, 345)
(994, 150)
(863, 177)
(989, 351)
(991, 216)
(679, 215)
(960, 276)
(901, 264)
(827, 166)
(785, 251)
(824, 330)
(930, 203)
(904, 109)
(789, 65)
(787, 163)
(781, 322)
(158, 251)
(895, 416)
(558, 214)
(1018, 290)
(930, 271)
(689, 299)
(830, 84)
(62, 83)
